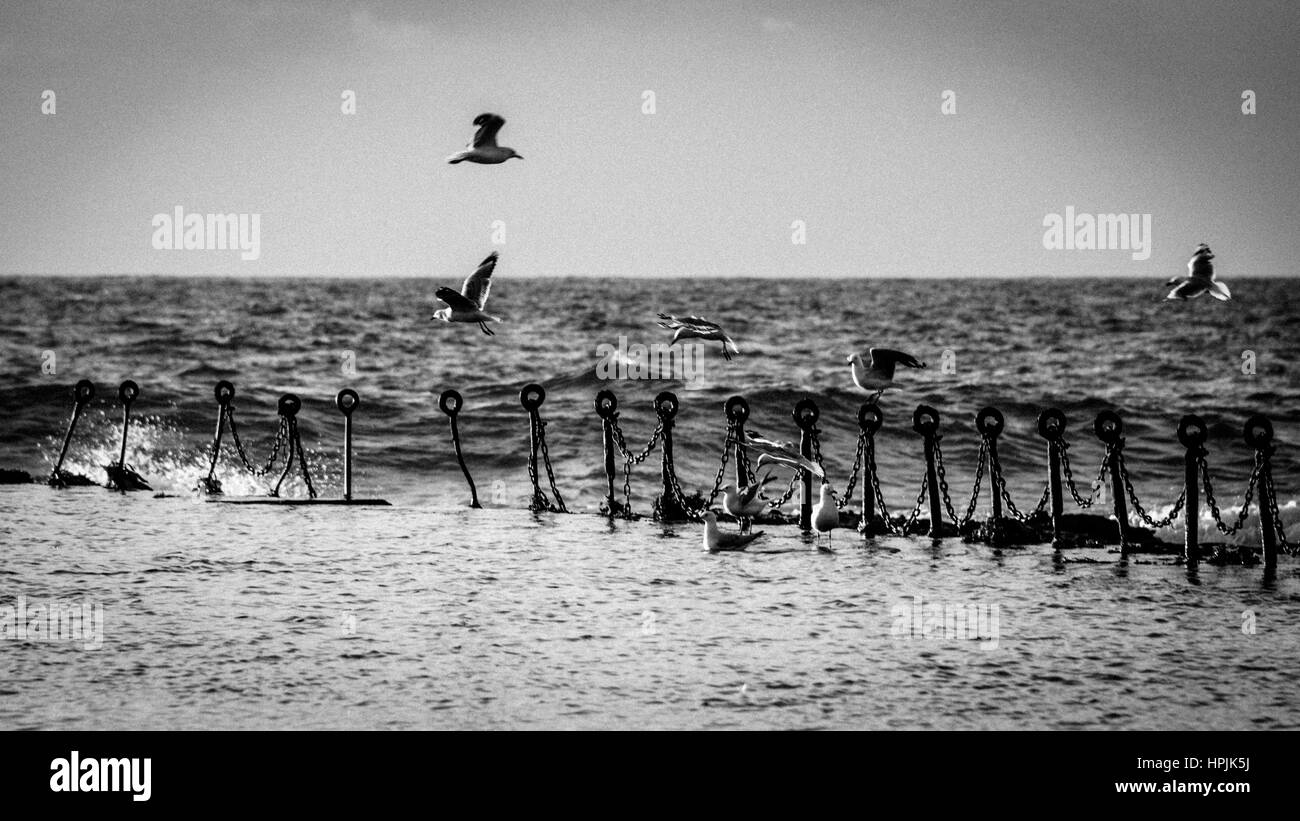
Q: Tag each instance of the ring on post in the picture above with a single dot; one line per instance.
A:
(666, 405)
(806, 413)
(925, 420)
(1108, 427)
(1051, 424)
(532, 396)
(224, 392)
(1192, 431)
(606, 404)
(289, 405)
(870, 418)
(128, 391)
(84, 391)
(1258, 432)
(347, 401)
(450, 402)
(989, 422)
(737, 409)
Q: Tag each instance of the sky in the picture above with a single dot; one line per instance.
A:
(785, 139)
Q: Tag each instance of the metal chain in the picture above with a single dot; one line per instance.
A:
(281, 437)
(1069, 476)
(842, 501)
(722, 468)
(789, 492)
(1137, 506)
(558, 506)
(943, 482)
(1000, 488)
(1277, 518)
(1245, 505)
(630, 459)
(302, 457)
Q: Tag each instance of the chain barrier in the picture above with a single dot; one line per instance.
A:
(1154, 524)
(943, 482)
(1064, 450)
(630, 459)
(1000, 488)
(1244, 511)
(841, 502)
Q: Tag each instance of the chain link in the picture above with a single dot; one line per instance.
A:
(630, 459)
(943, 482)
(1000, 488)
(1277, 518)
(1214, 505)
(1064, 450)
(842, 501)
(281, 437)
(1137, 506)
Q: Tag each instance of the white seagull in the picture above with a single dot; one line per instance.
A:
(876, 377)
(1200, 278)
(783, 453)
(825, 515)
(747, 502)
(484, 148)
(715, 541)
(468, 305)
(697, 327)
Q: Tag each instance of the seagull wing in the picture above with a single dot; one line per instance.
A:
(488, 126)
(454, 300)
(697, 324)
(478, 284)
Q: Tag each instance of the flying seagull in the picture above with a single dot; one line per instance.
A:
(697, 327)
(484, 148)
(875, 377)
(468, 305)
(747, 502)
(783, 453)
(716, 541)
(1200, 278)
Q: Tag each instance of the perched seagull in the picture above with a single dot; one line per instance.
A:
(715, 541)
(825, 515)
(747, 502)
(879, 375)
(1199, 279)
(468, 305)
(697, 327)
(484, 148)
(783, 453)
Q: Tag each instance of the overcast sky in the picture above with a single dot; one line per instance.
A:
(765, 113)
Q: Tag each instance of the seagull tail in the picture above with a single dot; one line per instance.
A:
(1220, 291)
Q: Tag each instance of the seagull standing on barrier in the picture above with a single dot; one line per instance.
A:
(747, 502)
(483, 148)
(782, 453)
(697, 327)
(876, 374)
(1200, 278)
(468, 305)
(715, 541)
(826, 514)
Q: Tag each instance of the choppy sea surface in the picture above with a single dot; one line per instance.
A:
(428, 614)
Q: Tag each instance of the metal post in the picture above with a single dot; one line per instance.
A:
(805, 415)
(1192, 434)
(1259, 435)
(81, 395)
(990, 422)
(347, 401)
(670, 510)
(1110, 430)
(869, 421)
(1051, 426)
(607, 410)
(737, 410)
(925, 421)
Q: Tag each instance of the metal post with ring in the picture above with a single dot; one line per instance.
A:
(925, 421)
(806, 413)
(122, 476)
(1192, 434)
(450, 403)
(81, 396)
(1110, 430)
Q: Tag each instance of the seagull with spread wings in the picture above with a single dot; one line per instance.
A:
(697, 327)
(876, 374)
(468, 305)
(782, 453)
(484, 148)
(1200, 278)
